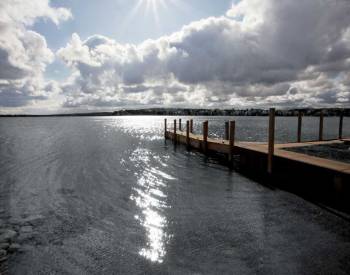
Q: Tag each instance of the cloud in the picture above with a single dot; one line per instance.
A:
(24, 54)
(261, 53)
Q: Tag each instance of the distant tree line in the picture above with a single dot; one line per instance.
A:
(204, 112)
(231, 112)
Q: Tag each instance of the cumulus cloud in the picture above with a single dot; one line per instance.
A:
(271, 52)
(24, 54)
(260, 53)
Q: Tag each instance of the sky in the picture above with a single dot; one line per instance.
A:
(65, 56)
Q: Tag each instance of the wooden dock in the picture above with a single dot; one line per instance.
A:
(267, 159)
(223, 147)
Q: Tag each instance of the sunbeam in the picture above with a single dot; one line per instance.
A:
(152, 9)
(155, 7)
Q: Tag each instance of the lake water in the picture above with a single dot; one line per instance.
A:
(107, 195)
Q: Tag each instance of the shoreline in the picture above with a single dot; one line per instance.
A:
(310, 112)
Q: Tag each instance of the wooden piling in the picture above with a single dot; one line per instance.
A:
(165, 128)
(341, 125)
(232, 125)
(271, 146)
(175, 137)
(180, 125)
(320, 134)
(191, 126)
(227, 134)
(300, 122)
(188, 134)
(205, 135)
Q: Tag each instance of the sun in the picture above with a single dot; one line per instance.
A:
(155, 7)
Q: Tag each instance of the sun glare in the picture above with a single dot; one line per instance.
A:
(155, 7)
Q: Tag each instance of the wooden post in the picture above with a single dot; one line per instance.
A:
(232, 138)
(175, 137)
(300, 122)
(271, 148)
(227, 134)
(180, 125)
(191, 126)
(341, 125)
(320, 135)
(205, 136)
(188, 134)
(165, 128)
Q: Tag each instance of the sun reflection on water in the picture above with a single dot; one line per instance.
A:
(151, 200)
(144, 127)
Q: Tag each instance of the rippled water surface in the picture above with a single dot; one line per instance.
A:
(107, 195)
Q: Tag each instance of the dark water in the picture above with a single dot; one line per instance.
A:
(333, 151)
(255, 128)
(108, 196)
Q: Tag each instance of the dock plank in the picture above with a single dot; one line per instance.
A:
(223, 146)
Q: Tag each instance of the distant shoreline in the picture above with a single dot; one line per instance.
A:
(198, 112)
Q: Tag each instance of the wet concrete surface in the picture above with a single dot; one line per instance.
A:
(109, 196)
